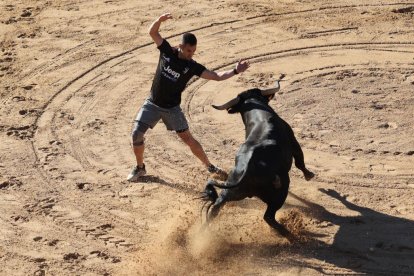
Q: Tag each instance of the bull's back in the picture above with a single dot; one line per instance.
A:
(267, 152)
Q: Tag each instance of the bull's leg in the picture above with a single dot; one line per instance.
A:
(275, 198)
(269, 217)
(299, 158)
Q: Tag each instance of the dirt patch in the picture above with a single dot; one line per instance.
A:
(73, 75)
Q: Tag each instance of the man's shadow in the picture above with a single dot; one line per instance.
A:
(371, 242)
(152, 179)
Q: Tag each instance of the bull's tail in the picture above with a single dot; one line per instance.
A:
(224, 186)
(210, 193)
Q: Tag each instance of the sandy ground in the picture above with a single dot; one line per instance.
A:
(73, 75)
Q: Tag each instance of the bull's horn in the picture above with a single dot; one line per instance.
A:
(227, 105)
(271, 91)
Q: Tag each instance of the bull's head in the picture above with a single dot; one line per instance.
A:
(234, 105)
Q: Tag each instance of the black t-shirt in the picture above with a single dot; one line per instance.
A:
(172, 76)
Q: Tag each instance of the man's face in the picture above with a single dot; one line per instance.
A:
(188, 50)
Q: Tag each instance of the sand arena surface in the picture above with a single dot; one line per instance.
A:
(73, 75)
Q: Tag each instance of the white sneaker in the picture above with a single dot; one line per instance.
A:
(136, 173)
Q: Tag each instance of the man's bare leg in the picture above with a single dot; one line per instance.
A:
(139, 170)
(195, 146)
(198, 151)
(139, 154)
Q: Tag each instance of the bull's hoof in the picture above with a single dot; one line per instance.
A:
(278, 227)
(308, 175)
(282, 231)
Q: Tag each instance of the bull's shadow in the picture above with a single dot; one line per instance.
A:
(371, 242)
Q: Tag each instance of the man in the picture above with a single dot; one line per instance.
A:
(175, 68)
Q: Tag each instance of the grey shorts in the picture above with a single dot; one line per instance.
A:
(173, 118)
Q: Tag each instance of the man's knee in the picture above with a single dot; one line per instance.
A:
(188, 140)
(138, 133)
(185, 135)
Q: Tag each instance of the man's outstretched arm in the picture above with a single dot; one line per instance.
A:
(155, 26)
(241, 66)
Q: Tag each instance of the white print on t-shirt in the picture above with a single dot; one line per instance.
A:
(170, 71)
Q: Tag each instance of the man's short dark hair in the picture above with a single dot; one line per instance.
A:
(189, 38)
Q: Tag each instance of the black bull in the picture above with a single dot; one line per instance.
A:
(263, 161)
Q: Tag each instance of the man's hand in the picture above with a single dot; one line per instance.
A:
(165, 17)
(242, 66)
(155, 26)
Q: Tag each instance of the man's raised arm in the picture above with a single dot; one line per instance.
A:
(155, 26)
